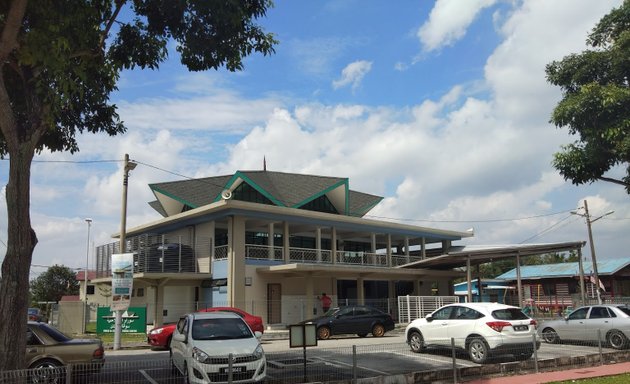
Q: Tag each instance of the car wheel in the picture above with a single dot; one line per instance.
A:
(361, 334)
(378, 330)
(617, 339)
(478, 350)
(47, 371)
(416, 342)
(323, 333)
(550, 336)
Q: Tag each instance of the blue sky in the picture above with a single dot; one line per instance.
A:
(441, 107)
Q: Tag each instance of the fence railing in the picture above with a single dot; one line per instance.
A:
(357, 363)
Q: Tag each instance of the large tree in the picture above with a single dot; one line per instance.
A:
(56, 282)
(596, 103)
(59, 63)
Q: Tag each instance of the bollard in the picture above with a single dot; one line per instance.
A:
(535, 353)
(454, 361)
(599, 343)
(354, 363)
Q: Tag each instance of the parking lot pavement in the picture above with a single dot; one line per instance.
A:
(548, 377)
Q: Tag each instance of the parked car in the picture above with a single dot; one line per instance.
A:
(359, 319)
(481, 329)
(160, 337)
(203, 343)
(36, 314)
(608, 323)
(48, 350)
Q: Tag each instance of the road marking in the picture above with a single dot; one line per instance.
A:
(149, 378)
(340, 363)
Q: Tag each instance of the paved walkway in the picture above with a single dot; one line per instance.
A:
(569, 374)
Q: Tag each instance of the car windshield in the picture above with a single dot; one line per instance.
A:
(509, 314)
(220, 329)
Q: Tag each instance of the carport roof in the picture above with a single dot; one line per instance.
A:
(459, 256)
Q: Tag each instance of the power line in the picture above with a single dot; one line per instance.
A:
(473, 221)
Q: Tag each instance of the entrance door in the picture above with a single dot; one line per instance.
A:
(274, 301)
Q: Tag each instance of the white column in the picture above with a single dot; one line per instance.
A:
(318, 244)
(271, 252)
(285, 242)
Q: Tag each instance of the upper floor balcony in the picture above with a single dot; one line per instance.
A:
(174, 254)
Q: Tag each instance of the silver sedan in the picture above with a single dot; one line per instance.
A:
(608, 323)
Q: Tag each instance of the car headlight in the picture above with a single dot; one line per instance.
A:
(200, 355)
(156, 331)
(258, 352)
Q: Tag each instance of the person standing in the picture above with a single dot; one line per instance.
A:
(326, 302)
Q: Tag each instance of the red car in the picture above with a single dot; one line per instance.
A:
(160, 337)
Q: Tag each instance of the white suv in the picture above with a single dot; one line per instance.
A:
(481, 329)
(203, 343)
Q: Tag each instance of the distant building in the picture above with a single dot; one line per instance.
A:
(492, 291)
(557, 286)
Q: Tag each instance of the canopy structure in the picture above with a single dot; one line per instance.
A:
(468, 256)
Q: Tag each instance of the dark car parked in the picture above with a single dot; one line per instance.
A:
(359, 319)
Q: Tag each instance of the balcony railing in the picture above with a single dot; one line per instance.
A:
(173, 254)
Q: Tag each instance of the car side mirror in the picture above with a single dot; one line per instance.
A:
(179, 337)
(258, 335)
(429, 318)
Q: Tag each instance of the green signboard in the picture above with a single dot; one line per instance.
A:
(134, 320)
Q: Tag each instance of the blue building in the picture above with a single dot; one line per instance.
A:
(492, 290)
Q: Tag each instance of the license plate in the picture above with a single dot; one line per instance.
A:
(234, 369)
(521, 327)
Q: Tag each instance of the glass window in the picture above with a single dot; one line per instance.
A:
(90, 289)
(345, 312)
(443, 313)
(578, 314)
(625, 310)
(466, 313)
(599, 313)
(31, 339)
(509, 314)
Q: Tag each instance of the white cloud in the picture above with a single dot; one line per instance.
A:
(353, 74)
(222, 112)
(448, 22)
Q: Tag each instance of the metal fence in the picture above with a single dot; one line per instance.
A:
(355, 364)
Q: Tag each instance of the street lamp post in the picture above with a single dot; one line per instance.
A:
(590, 221)
(127, 166)
(87, 255)
(85, 274)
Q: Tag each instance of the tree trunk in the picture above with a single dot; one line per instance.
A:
(14, 283)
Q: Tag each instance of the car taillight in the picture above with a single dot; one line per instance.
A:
(534, 323)
(498, 325)
(98, 353)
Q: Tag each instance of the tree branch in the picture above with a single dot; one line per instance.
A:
(110, 22)
(614, 181)
(8, 41)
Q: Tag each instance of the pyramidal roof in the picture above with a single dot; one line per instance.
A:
(267, 187)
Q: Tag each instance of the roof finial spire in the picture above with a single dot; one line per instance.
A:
(264, 163)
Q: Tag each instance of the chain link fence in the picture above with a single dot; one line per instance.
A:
(392, 363)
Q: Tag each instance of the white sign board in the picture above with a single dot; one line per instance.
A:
(122, 280)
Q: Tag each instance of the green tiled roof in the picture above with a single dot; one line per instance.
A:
(283, 189)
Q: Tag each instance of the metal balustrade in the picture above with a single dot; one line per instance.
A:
(264, 252)
(174, 253)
